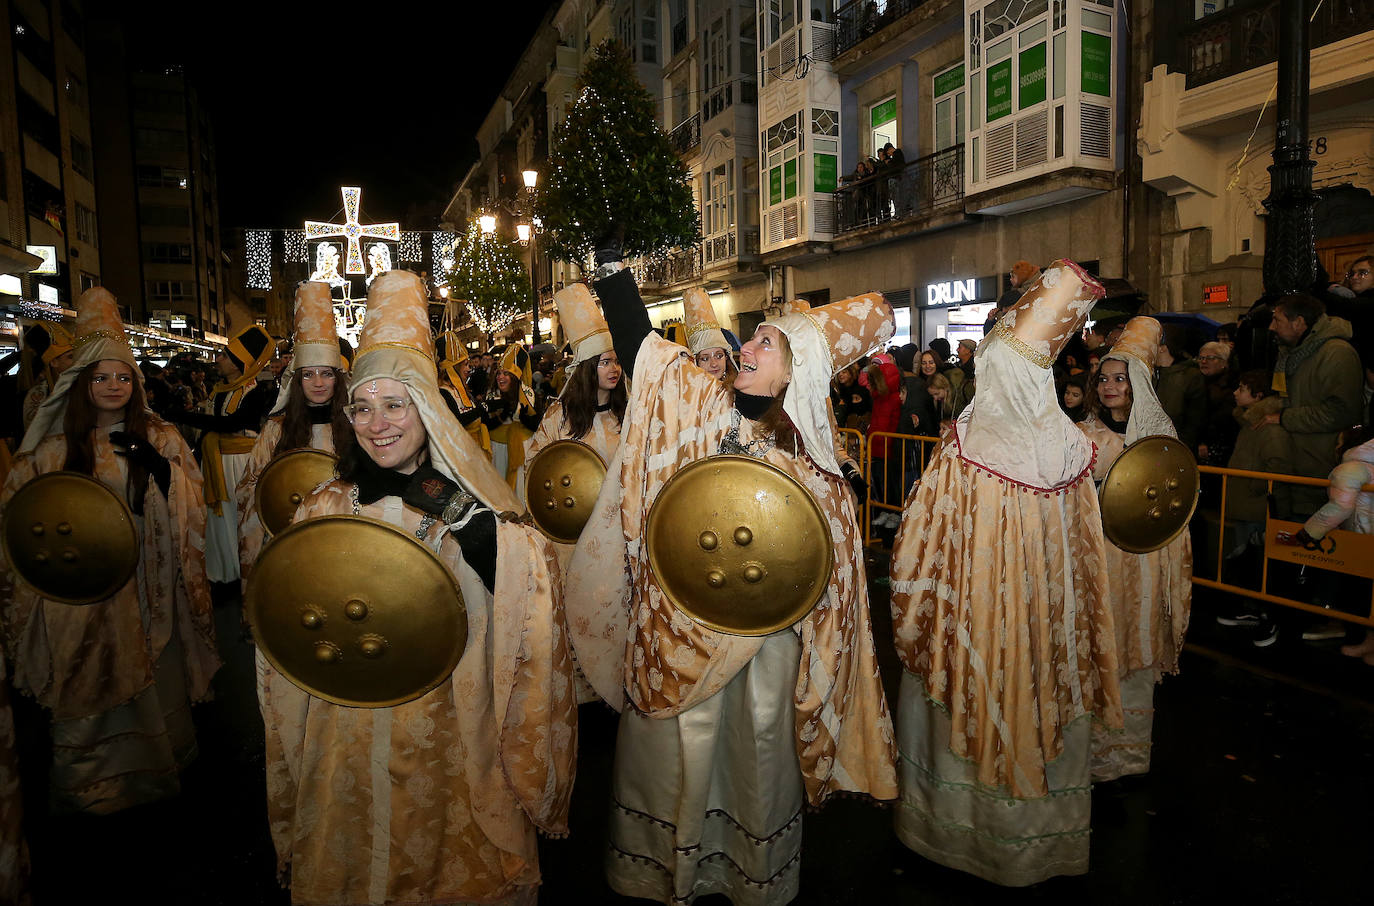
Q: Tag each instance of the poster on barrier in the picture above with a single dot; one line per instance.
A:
(1351, 553)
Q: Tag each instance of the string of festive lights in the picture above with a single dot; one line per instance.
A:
(257, 253)
(488, 275)
(412, 247)
(293, 247)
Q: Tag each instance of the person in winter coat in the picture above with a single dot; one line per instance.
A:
(1349, 508)
(1181, 389)
(1219, 428)
(884, 384)
(1261, 446)
(1322, 381)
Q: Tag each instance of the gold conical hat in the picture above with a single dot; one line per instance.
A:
(582, 322)
(1050, 312)
(699, 318)
(1140, 340)
(313, 331)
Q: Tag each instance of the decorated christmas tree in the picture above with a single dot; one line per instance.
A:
(612, 167)
(489, 276)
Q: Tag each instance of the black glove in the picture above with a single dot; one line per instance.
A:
(608, 246)
(856, 481)
(432, 492)
(1307, 540)
(140, 451)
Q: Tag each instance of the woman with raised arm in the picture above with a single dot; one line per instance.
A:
(116, 676)
(308, 412)
(1001, 617)
(800, 712)
(436, 800)
(1151, 594)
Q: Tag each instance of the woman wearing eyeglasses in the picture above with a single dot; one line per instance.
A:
(436, 800)
(1218, 437)
(118, 676)
(308, 413)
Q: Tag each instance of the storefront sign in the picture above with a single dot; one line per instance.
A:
(1216, 294)
(49, 255)
(775, 185)
(952, 292)
(824, 165)
(949, 81)
(1097, 64)
(1031, 87)
(999, 90)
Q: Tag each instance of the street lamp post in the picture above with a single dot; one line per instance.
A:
(527, 234)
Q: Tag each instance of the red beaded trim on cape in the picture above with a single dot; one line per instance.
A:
(1048, 492)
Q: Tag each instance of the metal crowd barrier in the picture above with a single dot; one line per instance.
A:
(1342, 552)
(913, 452)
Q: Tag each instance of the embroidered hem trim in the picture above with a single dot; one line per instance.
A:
(1020, 347)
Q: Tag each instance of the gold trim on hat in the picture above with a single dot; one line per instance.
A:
(406, 346)
(587, 336)
(101, 334)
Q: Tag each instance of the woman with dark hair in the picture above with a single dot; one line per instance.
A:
(455, 366)
(591, 408)
(884, 384)
(309, 411)
(1151, 594)
(47, 353)
(799, 712)
(704, 337)
(511, 418)
(117, 676)
(438, 799)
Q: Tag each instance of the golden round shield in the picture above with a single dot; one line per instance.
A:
(739, 545)
(70, 538)
(561, 486)
(286, 481)
(356, 612)
(1149, 494)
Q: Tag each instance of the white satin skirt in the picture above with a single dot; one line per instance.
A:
(1117, 753)
(130, 754)
(946, 815)
(222, 530)
(711, 801)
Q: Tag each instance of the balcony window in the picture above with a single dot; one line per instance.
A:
(882, 118)
(948, 94)
(86, 229)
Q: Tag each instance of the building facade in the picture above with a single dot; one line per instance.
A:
(48, 197)
(163, 253)
(1207, 133)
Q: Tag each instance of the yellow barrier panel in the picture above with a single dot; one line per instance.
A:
(913, 452)
(1346, 553)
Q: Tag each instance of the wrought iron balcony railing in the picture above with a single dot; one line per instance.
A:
(861, 18)
(1247, 35)
(686, 135)
(925, 185)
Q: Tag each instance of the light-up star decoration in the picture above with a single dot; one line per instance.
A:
(352, 230)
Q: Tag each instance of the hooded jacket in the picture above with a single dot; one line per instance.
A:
(1258, 449)
(1324, 388)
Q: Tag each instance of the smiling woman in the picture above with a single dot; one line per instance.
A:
(809, 693)
(116, 677)
(409, 464)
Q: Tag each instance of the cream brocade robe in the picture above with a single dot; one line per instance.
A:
(1151, 594)
(981, 615)
(82, 661)
(252, 536)
(603, 437)
(631, 640)
(436, 800)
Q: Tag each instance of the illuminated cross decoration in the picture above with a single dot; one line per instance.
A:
(353, 231)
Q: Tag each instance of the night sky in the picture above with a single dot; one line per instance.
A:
(308, 97)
